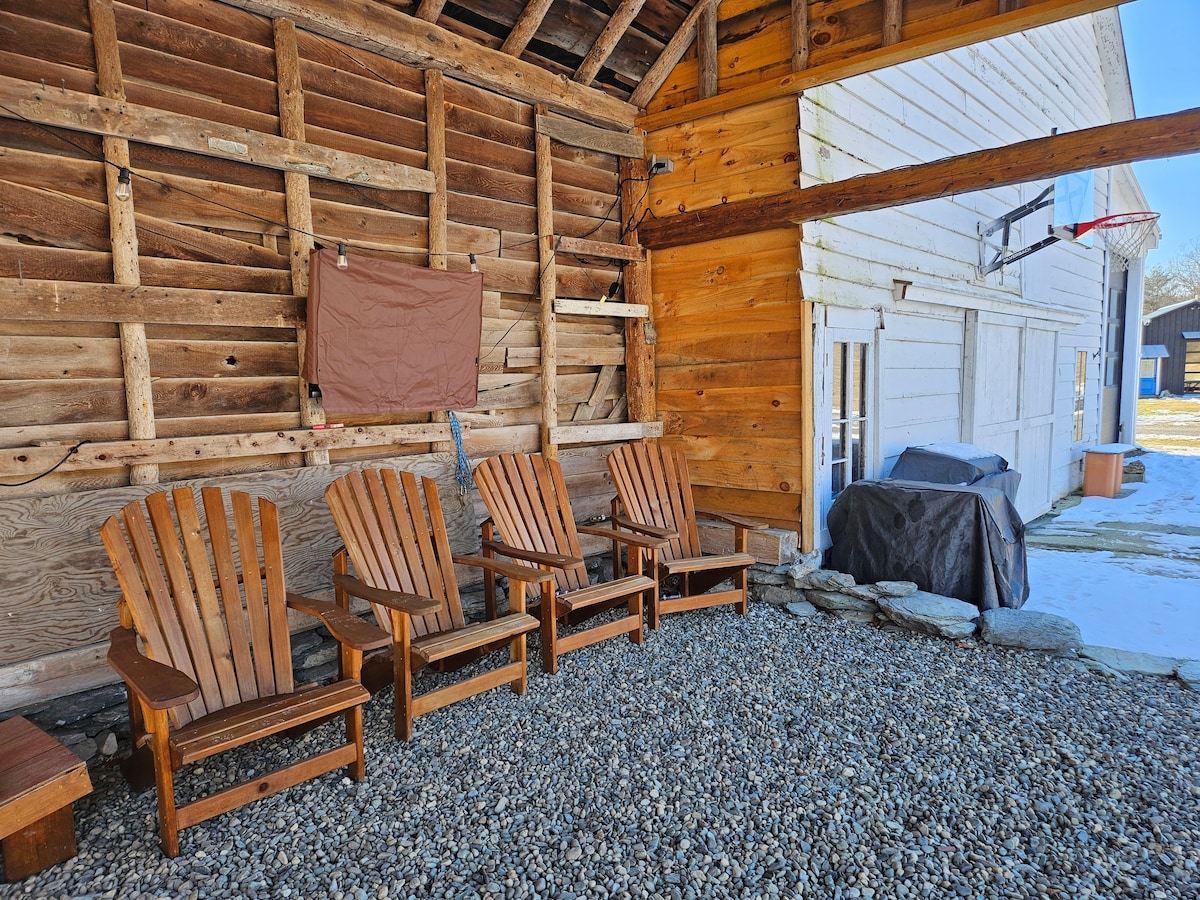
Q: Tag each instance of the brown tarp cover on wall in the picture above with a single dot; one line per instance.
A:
(385, 336)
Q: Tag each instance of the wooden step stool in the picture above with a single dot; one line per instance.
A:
(40, 780)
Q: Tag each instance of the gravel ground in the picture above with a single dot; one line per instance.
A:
(725, 757)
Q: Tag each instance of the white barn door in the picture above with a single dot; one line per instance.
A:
(1008, 394)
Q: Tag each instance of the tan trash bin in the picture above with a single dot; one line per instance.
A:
(1103, 467)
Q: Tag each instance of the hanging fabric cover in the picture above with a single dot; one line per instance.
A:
(385, 336)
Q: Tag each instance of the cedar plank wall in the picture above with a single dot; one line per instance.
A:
(730, 350)
(62, 380)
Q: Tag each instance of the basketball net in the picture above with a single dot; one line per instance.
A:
(1124, 235)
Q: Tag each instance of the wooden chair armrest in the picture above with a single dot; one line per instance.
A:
(554, 560)
(413, 604)
(729, 519)
(348, 628)
(157, 685)
(508, 569)
(645, 541)
(667, 533)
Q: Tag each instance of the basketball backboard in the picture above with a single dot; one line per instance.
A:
(1075, 201)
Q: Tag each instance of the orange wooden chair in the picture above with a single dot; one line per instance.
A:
(401, 554)
(527, 499)
(654, 496)
(214, 670)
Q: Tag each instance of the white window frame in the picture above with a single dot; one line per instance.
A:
(834, 337)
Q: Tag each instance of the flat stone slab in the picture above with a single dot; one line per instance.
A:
(898, 589)
(1029, 630)
(822, 580)
(931, 614)
(1132, 662)
(776, 595)
(835, 601)
(801, 608)
(1189, 674)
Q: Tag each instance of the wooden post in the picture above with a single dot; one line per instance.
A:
(893, 15)
(547, 326)
(801, 46)
(299, 206)
(435, 162)
(135, 354)
(706, 52)
(639, 333)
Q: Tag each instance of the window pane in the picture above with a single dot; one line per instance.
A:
(838, 451)
(860, 380)
(839, 365)
(839, 478)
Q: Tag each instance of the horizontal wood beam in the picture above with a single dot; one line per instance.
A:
(1156, 137)
(589, 137)
(27, 461)
(596, 308)
(379, 29)
(115, 118)
(584, 247)
(605, 432)
(1033, 13)
(73, 301)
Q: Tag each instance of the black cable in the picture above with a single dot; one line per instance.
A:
(71, 452)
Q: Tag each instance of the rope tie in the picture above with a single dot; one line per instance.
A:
(462, 466)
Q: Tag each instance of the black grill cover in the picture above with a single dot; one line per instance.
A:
(957, 464)
(964, 541)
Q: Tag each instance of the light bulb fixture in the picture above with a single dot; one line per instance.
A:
(612, 291)
(124, 184)
(474, 264)
(342, 262)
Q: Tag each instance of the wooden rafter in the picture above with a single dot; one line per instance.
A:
(607, 41)
(671, 54)
(1048, 157)
(526, 27)
(429, 10)
(425, 45)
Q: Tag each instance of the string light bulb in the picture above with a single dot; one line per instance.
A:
(342, 262)
(612, 291)
(124, 184)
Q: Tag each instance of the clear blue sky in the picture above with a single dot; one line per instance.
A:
(1162, 41)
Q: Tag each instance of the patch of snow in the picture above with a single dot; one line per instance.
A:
(1148, 604)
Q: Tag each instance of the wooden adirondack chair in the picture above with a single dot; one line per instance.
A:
(654, 496)
(527, 499)
(401, 555)
(214, 670)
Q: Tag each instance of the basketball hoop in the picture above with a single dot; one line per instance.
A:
(1124, 234)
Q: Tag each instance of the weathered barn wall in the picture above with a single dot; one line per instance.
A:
(205, 270)
(731, 351)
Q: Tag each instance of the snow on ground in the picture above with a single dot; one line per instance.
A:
(1147, 603)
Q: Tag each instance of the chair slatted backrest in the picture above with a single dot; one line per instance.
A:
(397, 542)
(527, 499)
(215, 609)
(654, 488)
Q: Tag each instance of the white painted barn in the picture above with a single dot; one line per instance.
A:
(1028, 361)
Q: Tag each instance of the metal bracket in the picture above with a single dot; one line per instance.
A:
(1004, 224)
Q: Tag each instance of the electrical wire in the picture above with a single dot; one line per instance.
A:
(54, 468)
